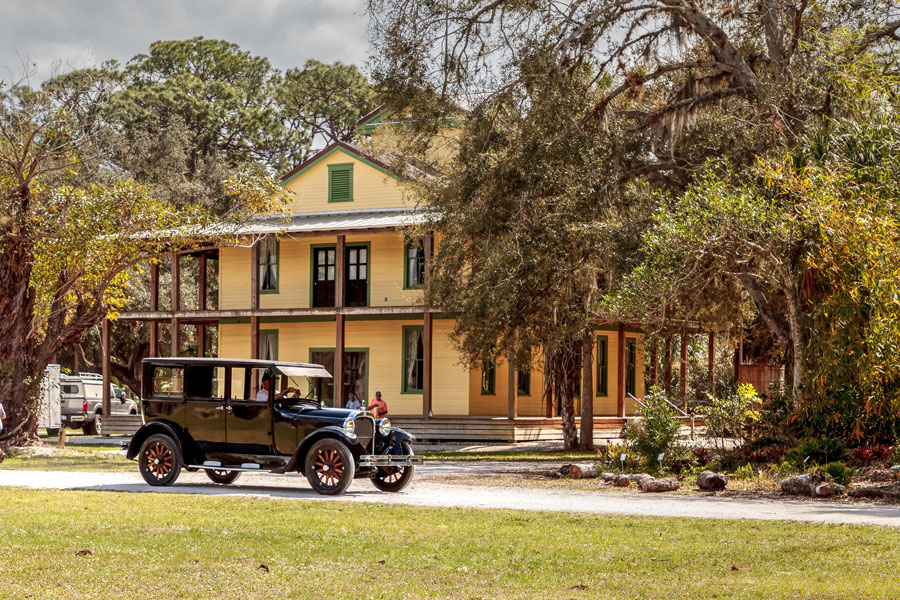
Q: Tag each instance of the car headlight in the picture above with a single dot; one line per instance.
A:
(349, 425)
(384, 426)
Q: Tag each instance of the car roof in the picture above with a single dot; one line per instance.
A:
(244, 362)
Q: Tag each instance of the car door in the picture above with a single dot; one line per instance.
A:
(206, 406)
(249, 419)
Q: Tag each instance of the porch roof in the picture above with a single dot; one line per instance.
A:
(331, 221)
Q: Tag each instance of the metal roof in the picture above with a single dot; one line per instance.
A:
(243, 362)
(329, 221)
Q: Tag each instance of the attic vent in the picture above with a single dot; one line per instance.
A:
(340, 183)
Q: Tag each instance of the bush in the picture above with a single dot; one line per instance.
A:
(819, 451)
(729, 461)
(732, 415)
(657, 431)
(870, 453)
(840, 472)
(745, 472)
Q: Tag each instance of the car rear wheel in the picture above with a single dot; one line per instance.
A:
(394, 479)
(160, 460)
(223, 477)
(53, 431)
(330, 467)
(95, 427)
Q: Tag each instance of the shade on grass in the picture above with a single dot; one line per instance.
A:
(177, 546)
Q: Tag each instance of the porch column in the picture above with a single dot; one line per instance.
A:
(654, 365)
(667, 366)
(711, 361)
(620, 383)
(175, 326)
(427, 332)
(683, 372)
(154, 306)
(512, 391)
(201, 283)
(427, 351)
(254, 300)
(201, 339)
(107, 378)
(340, 395)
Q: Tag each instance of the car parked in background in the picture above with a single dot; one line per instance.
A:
(81, 402)
(230, 416)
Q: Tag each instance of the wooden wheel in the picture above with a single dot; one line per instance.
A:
(394, 479)
(160, 460)
(330, 467)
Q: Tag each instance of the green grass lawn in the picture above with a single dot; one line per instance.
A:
(184, 546)
(74, 457)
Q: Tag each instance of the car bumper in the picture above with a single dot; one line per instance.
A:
(73, 419)
(389, 460)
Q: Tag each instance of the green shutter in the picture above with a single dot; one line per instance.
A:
(340, 183)
(602, 366)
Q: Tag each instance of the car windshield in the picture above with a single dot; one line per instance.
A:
(304, 388)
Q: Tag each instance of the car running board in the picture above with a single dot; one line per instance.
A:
(211, 465)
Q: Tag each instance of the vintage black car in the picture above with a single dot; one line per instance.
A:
(229, 416)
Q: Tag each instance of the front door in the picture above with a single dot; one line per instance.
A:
(323, 276)
(355, 373)
(357, 276)
(249, 422)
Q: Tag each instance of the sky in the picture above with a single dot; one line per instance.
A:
(48, 36)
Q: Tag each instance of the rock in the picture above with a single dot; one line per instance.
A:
(668, 484)
(609, 477)
(553, 475)
(867, 492)
(712, 481)
(827, 489)
(640, 478)
(623, 481)
(796, 486)
(564, 470)
(882, 475)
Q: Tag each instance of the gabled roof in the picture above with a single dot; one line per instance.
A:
(330, 221)
(331, 149)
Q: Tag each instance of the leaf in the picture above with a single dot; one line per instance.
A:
(739, 567)
(84, 552)
(264, 568)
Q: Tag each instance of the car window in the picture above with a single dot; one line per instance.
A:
(69, 389)
(168, 382)
(204, 381)
(246, 384)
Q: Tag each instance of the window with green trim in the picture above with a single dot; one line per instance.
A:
(340, 183)
(414, 265)
(630, 366)
(268, 344)
(602, 365)
(413, 359)
(523, 384)
(488, 377)
(268, 264)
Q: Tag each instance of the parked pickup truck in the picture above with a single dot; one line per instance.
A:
(81, 402)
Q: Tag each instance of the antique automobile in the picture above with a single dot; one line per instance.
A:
(226, 417)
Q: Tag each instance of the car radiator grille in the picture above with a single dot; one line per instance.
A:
(365, 431)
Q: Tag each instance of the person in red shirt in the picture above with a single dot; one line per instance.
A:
(378, 406)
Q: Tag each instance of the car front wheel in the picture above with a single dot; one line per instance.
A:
(394, 479)
(330, 467)
(223, 477)
(160, 460)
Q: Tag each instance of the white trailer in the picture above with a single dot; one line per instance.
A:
(50, 418)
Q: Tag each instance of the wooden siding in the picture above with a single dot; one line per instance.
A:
(372, 188)
(386, 258)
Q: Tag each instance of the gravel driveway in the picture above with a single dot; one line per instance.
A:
(424, 492)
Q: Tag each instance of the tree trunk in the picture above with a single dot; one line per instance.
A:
(566, 370)
(587, 392)
(16, 344)
(583, 471)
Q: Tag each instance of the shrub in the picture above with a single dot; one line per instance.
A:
(819, 451)
(782, 470)
(702, 455)
(870, 453)
(840, 472)
(730, 461)
(766, 449)
(745, 472)
(658, 430)
(732, 415)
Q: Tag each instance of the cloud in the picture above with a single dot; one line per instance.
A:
(43, 36)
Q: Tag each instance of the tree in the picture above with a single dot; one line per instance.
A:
(682, 82)
(810, 236)
(70, 232)
(326, 101)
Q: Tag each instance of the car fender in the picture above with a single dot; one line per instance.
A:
(167, 428)
(402, 435)
(298, 460)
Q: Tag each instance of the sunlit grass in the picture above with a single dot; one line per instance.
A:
(184, 546)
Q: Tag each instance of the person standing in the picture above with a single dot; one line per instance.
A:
(354, 403)
(378, 406)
